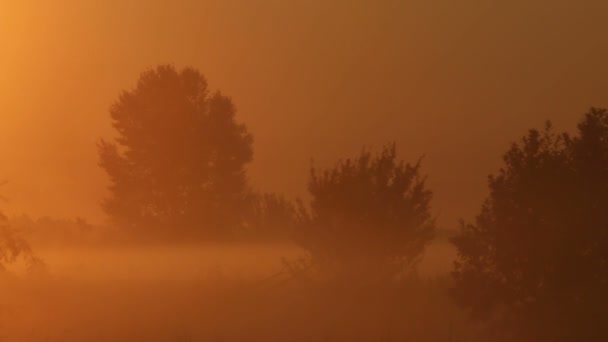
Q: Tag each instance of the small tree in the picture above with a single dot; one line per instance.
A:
(367, 213)
(177, 165)
(537, 254)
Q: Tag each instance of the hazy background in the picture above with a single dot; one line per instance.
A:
(456, 81)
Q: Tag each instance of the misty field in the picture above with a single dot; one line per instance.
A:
(316, 170)
(218, 293)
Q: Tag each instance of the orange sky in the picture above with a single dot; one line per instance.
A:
(453, 80)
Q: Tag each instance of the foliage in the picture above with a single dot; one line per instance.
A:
(177, 164)
(13, 247)
(271, 217)
(537, 254)
(367, 213)
(45, 232)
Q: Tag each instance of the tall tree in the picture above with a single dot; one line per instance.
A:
(537, 254)
(370, 213)
(177, 164)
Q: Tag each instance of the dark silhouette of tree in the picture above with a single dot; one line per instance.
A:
(13, 247)
(537, 254)
(177, 164)
(367, 214)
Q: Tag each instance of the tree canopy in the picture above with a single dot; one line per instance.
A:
(371, 211)
(537, 254)
(177, 164)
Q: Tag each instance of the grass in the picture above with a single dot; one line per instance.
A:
(180, 295)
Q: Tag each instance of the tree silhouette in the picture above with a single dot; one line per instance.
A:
(13, 247)
(177, 164)
(370, 213)
(537, 254)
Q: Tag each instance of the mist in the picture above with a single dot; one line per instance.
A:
(303, 170)
(299, 72)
